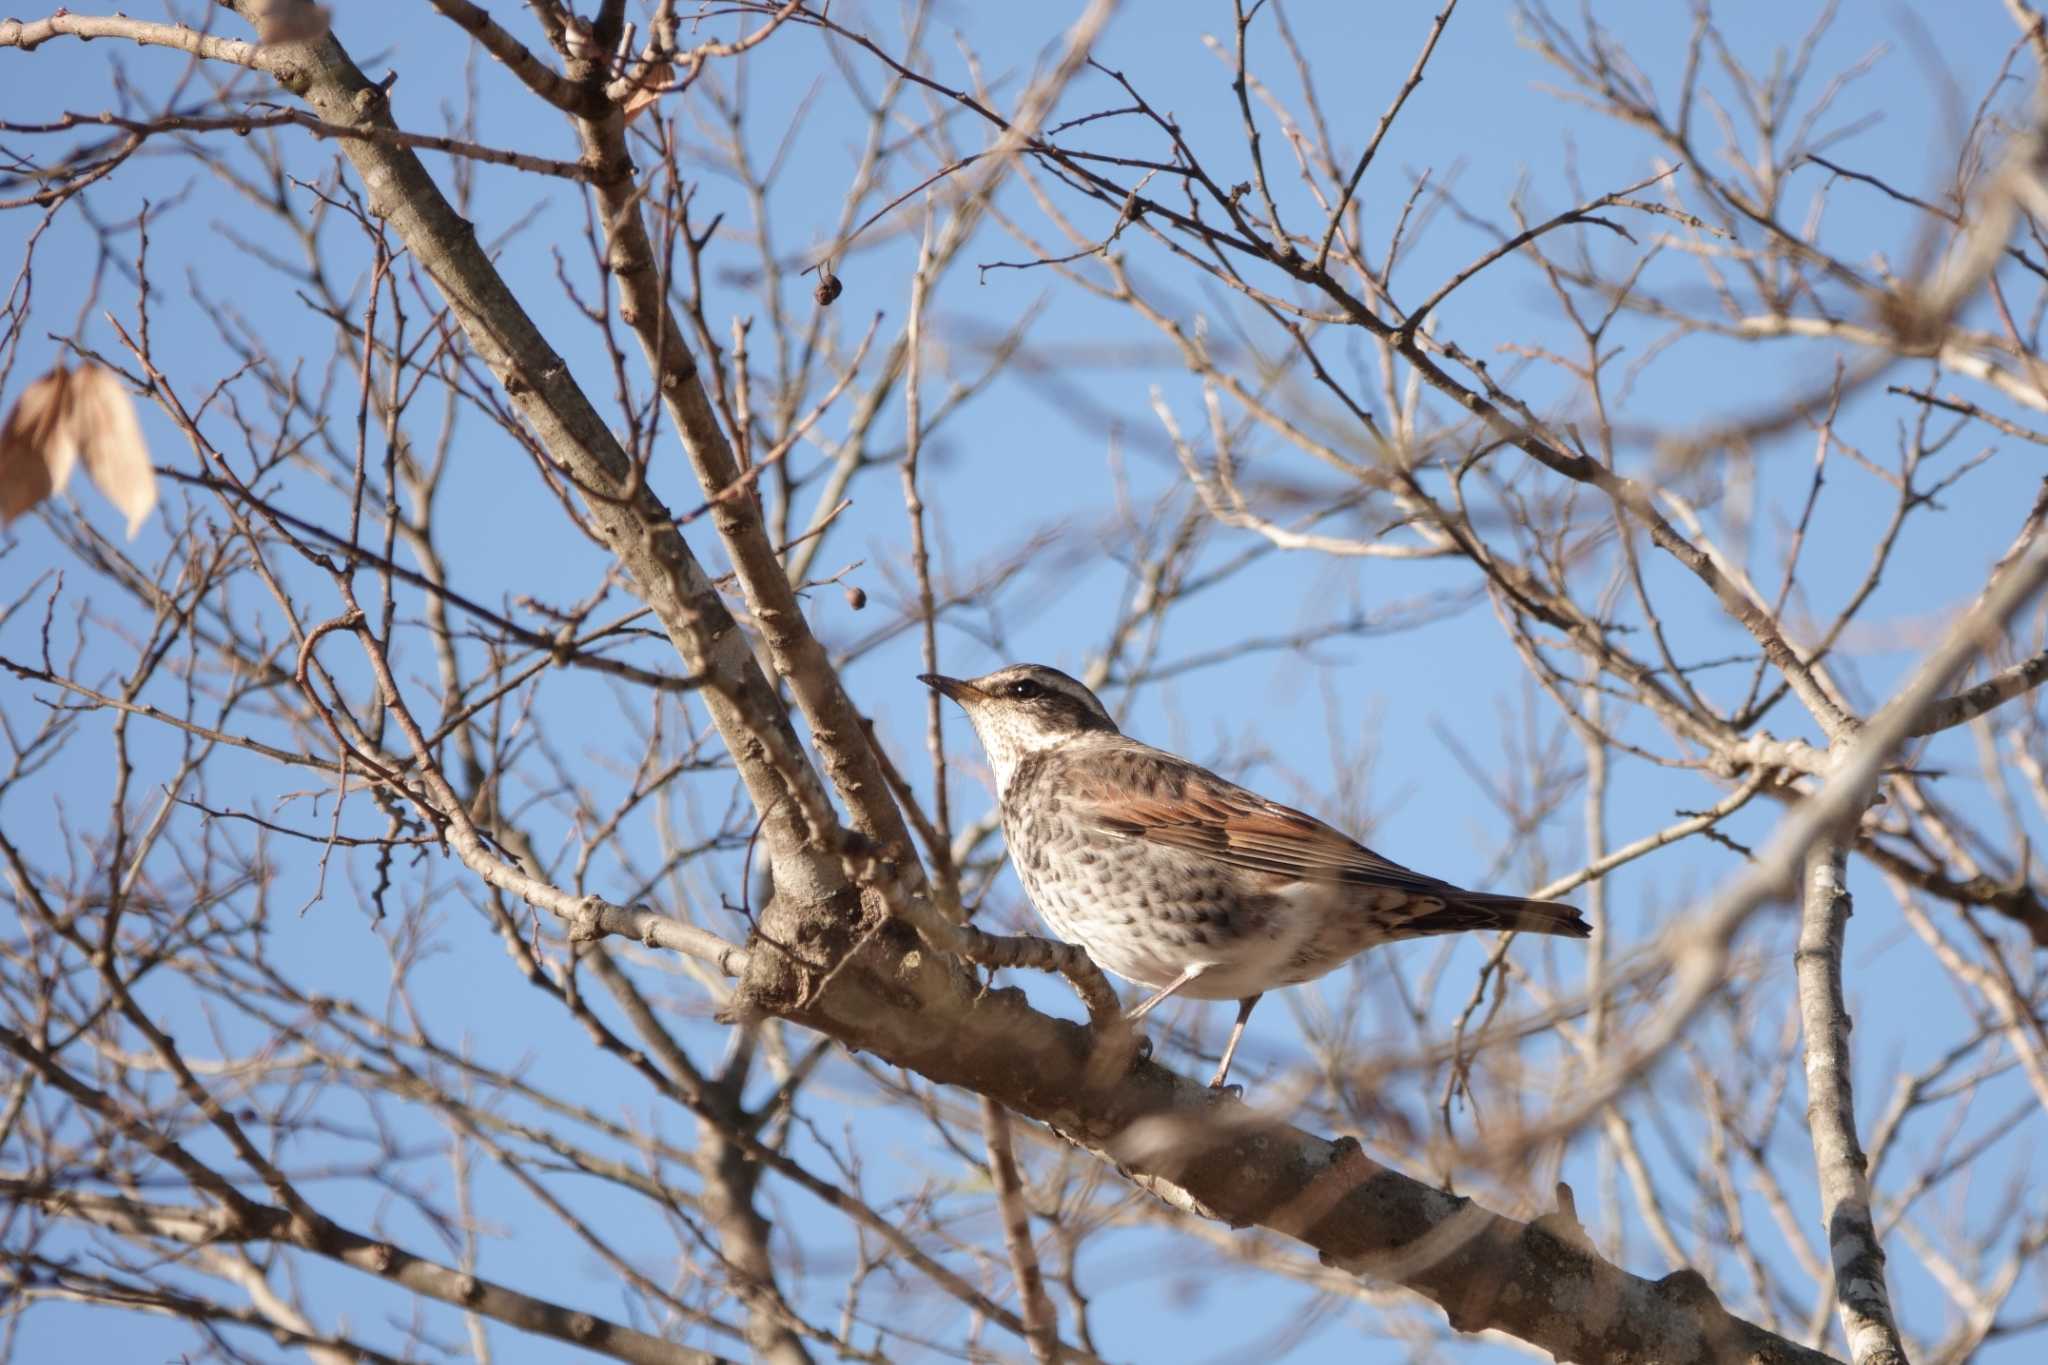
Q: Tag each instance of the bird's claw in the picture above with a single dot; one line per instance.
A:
(1233, 1091)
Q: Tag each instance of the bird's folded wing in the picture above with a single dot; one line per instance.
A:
(1179, 805)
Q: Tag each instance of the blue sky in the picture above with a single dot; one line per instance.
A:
(1030, 457)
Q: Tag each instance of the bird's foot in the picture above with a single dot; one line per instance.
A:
(1232, 1091)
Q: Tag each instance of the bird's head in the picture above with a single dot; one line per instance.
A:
(1021, 710)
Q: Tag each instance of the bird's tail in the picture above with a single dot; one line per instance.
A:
(1470, 911)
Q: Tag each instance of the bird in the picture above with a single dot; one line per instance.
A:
(1181, 881)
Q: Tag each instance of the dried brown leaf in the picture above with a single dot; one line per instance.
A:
(109, 441)
(65, 417)
(36, 446)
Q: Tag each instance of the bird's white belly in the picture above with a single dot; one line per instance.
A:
(1135, 943)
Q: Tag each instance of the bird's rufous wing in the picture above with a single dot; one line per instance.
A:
(1164, 800)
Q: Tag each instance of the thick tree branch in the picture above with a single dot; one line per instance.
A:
(1207, 1156)
(1996, 690)
(1862, 1299)
(633, 523)
(534, 73)
(31, 34)
(841, 740)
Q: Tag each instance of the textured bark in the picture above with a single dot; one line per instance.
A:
(731, 1177)
(1862, 1300)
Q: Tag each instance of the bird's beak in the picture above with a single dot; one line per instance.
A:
(949, 687)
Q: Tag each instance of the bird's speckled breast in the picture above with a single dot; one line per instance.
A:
(1144, 911)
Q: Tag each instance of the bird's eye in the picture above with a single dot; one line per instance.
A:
(1024, 689)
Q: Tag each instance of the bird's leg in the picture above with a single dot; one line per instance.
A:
(1144, 1009)
(1244, 1012)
